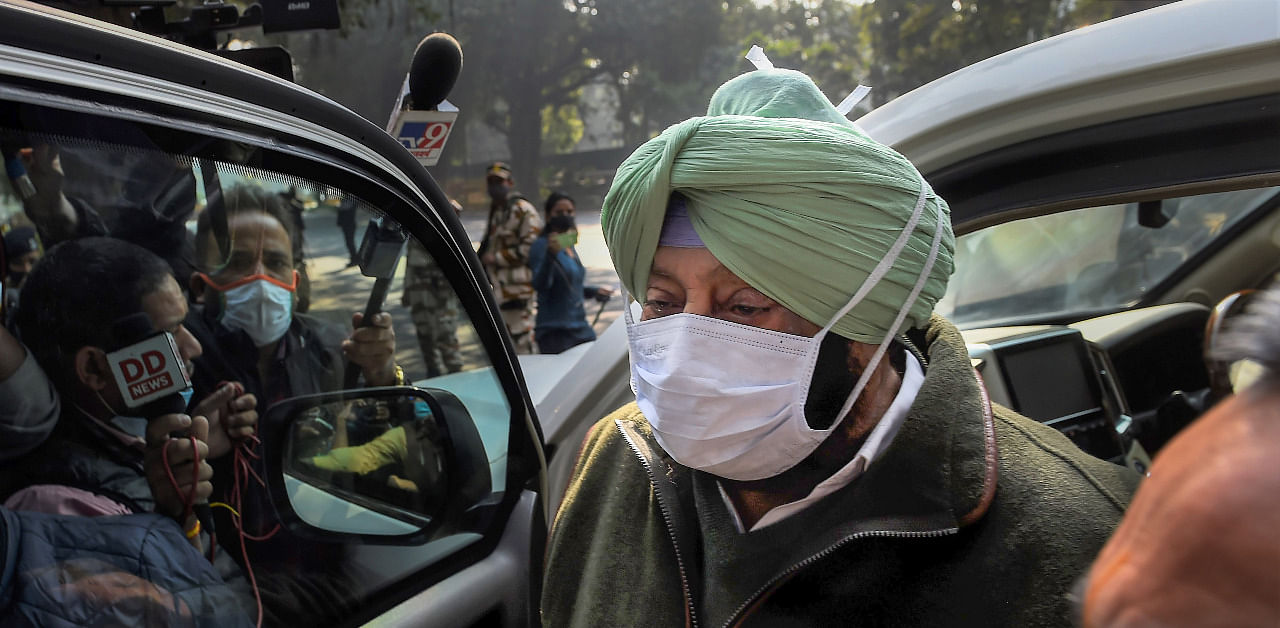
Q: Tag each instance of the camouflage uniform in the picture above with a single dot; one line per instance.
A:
(513, 226)
(434, 310)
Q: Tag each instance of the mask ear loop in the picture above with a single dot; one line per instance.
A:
(870, 282)
(897, 321)
(630, 322)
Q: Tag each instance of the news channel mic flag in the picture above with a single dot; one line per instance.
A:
(422, 119)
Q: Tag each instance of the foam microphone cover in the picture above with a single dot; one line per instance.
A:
(436, 64)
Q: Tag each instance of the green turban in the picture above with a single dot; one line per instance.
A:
(791, 197)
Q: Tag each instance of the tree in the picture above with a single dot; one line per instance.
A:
(913, 42)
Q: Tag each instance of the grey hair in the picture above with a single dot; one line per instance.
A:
(1255, 335)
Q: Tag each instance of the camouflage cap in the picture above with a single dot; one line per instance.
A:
(498, 169)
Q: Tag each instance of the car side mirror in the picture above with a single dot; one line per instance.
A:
(381, 465)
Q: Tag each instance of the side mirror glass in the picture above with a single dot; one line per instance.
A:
(384, 465)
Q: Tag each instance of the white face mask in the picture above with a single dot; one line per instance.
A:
(729, 399)
(262, 308)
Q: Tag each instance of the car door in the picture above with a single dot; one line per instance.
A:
(158, 144)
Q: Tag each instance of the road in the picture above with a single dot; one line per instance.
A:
(337, 291)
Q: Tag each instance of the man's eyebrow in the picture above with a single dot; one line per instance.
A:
(171, 325)
(751, 292)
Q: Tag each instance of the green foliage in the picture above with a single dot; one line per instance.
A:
(562, 127)
(527, 62)
(912, 42)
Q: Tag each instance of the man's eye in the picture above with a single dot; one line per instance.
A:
(660, 307)
(748, 310)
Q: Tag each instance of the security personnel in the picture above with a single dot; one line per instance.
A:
(514, 224)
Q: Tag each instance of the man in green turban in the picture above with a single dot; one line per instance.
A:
(809, 445)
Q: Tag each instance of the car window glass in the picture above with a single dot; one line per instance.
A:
(1091, 258)
(272, 266)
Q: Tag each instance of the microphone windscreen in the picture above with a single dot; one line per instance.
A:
(436, 64)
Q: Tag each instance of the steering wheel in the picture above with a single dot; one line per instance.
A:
(1220, 370)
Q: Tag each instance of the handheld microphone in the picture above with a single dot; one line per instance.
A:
(148, 369)
(422, 119)
(152, 377)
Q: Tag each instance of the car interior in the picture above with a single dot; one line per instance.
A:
(1109, 272)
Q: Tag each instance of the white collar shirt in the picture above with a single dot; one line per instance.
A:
(872, 448)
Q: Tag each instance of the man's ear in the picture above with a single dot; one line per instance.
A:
(92, 368)
(196, 286)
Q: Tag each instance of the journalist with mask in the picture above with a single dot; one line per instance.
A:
(247, 316)
(810, 444)
(247, 320)
(558, 278)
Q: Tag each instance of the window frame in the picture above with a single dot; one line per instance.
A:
(369, 164)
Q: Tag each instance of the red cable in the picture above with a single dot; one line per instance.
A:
(242, 469)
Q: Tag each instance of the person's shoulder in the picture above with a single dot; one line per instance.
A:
(606, 431)
(1035, 455)
(518, 202)
(608, 438)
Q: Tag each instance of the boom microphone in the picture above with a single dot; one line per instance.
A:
(436, 64)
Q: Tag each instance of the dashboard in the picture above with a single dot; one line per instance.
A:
(1118, 386)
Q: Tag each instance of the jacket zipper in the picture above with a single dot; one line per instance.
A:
(734, 619)
(666, 518)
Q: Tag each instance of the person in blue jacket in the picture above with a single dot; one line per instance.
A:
(558, 276)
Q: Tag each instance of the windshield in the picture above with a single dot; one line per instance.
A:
(1091, 258)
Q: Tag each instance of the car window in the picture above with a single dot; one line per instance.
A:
(1086, 259)
(273, 265)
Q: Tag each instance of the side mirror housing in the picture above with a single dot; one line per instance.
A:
(388, 465)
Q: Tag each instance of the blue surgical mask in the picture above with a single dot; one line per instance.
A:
(131, 425)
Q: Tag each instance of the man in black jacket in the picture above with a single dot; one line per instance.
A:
(100, 461)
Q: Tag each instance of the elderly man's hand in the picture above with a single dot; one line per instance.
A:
(373, 349)
(194, 483)
(232, 415)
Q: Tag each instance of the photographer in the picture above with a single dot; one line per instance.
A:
(558, 276)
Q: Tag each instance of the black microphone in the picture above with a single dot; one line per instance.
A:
(437, 61)
(151, 377)
(422, 129)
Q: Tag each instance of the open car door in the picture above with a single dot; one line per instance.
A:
(419, 504)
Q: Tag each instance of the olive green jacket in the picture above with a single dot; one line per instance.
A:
(972, 516)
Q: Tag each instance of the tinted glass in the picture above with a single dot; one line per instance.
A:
(1092, 258)
(274, 269)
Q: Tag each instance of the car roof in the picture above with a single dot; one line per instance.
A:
(29, 32)
(1172, 57)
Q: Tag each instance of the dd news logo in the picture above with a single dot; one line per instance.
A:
(148, 370)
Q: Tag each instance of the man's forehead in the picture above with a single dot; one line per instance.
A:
(254, 231)
(676, 262)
